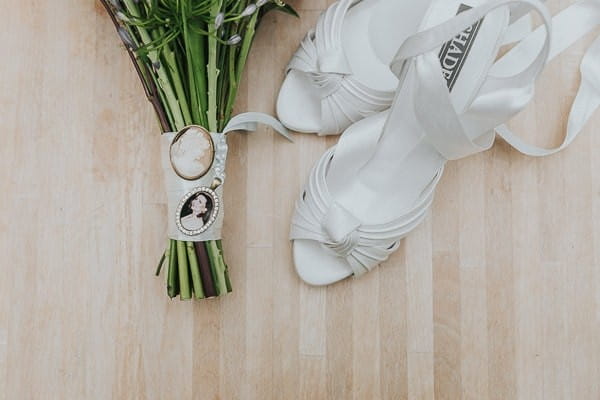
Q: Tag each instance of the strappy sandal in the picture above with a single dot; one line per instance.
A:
(340, 73)
(373, 188)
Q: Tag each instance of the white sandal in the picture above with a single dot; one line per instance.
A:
(340, 73)
(377, 184)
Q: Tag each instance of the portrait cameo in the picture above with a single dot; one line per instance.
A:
(192, 153)
(197, 211)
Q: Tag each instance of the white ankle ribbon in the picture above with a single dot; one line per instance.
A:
(182, 192)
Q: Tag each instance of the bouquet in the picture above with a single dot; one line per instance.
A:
(189, 56)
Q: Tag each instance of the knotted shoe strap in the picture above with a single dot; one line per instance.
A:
(321, 56)
(320, 218)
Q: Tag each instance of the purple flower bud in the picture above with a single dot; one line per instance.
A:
(248, 10)
(219, 20)
(122, 16)
(126, 38)
(116, 4)
(235, 39)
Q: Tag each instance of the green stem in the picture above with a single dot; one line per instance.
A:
(239, 68)
(201, 79)
(196, 64)
(232, 90)
(227, 281)
(172, 273)
(161, 77)
(184, 276)
(246, 44)
(195, 271)
(218, 265)
(169, 114)
(161, 263)
(171, 65)
(214, 254)
(213, 72)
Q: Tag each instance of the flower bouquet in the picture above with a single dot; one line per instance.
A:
(189, 56)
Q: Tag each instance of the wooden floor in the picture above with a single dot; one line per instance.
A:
(496, 296)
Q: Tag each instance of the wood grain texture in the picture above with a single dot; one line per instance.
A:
(495, 296)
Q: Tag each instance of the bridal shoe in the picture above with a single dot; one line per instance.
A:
(377, 184)
(340, 73)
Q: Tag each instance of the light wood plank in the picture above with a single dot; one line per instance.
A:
(495, 296)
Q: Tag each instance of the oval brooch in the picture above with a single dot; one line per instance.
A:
(192, 152)
(197, 211)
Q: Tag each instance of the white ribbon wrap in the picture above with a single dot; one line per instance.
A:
(179, 189)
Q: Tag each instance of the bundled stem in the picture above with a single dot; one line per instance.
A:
(188, 56)
(213, 72)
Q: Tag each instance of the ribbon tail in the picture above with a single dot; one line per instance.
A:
(250, 120)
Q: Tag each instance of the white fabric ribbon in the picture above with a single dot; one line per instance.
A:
(568, 26)
(178, 188)
(510, 84)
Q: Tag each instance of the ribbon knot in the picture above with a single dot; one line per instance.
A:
(326, 83)
(334, 61)
(341, 228)
(332, 67)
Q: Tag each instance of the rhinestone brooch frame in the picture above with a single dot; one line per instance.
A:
(213, 215)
